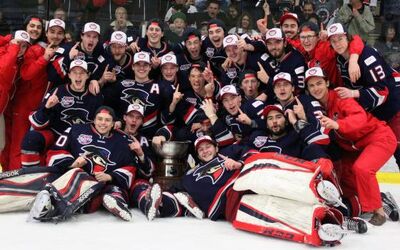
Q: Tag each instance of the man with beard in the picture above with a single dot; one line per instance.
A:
(88, 49)
(284, 135)
(61, 108)
(281, 57)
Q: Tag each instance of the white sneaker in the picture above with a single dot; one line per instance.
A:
(41, 206)
(116, 208)
(153, 201)
(185, 200)
(330, 232)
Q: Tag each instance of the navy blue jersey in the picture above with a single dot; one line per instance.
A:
(109, 154)
(228, 130)
(216, 56)
(379, 90)
(73, 108)
(123, 71)
(59, 67)
(154, 52)
(292, 63)
(315, 133)
(154, 97)
(185, 63)
(209, 182)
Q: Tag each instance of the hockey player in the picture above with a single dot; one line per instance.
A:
(88, 49)
(34, 83)
(285, 135)
(368, 143)
(281, 57)
(11, 55)
(169, 69)
(249, 84)
(377, 90)
(241, 119)
(154, 96)
(62, 107)
(100, 152)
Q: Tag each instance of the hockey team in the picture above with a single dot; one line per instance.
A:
(288, 127)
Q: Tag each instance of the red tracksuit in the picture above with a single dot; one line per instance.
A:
(29, 94)
(9, 78)
(368, 143)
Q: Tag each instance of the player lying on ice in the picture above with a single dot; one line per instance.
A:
(271, 194)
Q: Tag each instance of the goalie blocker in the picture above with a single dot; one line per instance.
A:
(290, 202)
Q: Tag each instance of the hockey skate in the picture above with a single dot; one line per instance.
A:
(330, 233)
(153, 201)
(186, 201)
(355, 224)
(390, 206)
(41, 206)
(330, 193)
(116, 207)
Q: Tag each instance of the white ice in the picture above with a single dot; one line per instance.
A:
(101, 230)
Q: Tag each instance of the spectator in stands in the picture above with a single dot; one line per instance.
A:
(308, 9)
(213, 11)
(357, 18)
(179, 6)
(315, 19)
(121, 23)
(232, 16)
(177, 28)
(325, 9)
(4, 26)
(244, 26)
(388, 45)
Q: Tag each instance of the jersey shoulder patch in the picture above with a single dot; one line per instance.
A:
(370, 60)
(257, 103)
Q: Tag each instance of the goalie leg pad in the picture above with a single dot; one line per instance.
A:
(285, 219)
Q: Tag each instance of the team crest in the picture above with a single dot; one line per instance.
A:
(98, 157)
(67, 101)
(231, 73)
(260, 141)
(84, 139)
(185, 67)
(75, 116)
(210, 52)
(139, 96)
(213, 170)
(128, 83)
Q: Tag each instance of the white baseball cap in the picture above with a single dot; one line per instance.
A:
(22, 35)
(282, 76)
(315, 71)
(56, 22)
(230, 40)
(274, 33)
(204, 138)
(78, 63)
(118, 37)
(228, 89)
(135, 107)
(336, 29)
(91, 27)
(168, 58)
(141, 57)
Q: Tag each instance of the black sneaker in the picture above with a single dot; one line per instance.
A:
(390, 206)
(355, 224)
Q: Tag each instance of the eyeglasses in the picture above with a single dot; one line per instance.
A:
(307, 37)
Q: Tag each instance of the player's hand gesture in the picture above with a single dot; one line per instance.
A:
(155, 62)
(49, 51)
(208, 108)
(227, 64)
(323, 33)
(94, 87)
(53, 100)
(177, 95)
(328, 123)
(262, 75)
(291, 116)
(262, 25)
(158, 140)
(208, 75)
(74, 51)
(243, 118)
(298, 109)
(134, 46)
(230, 164)
(136, 147)
(109, 76)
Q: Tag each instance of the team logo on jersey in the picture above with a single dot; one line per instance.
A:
(259, 141)
(117, 69)
(85, 139)
(128, 83)
(185, 67)
(139, 96)
(99, 158)
(210, 52)
(75, 116)
(213, 170)
(191, 100)
(231, 73)
(67, 101)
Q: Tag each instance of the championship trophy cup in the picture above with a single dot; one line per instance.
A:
(172, 162)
